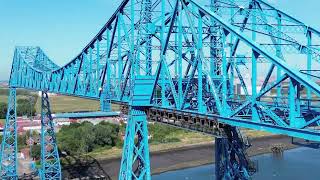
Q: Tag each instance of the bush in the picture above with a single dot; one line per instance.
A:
(24, 106)
(81, 138)
(36, 151)
(105, 134)
(76, 140)
(22, 141)
(3, 110)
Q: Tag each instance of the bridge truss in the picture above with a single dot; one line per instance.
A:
(211, 66)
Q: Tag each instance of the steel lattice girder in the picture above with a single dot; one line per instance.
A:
(135, 163)
(50, 162)
(178, 34)
(192, 57)
(231, 160)
(8, 157)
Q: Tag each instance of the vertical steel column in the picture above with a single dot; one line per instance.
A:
(108, 64)
(255, 117)
(231, 69)
(86, 72)
(213, 42)
(97, 78)
(50, 162)
(162, 78)
(135, 163)
(120, 63)
(224, 77)
(90, 72)
(164, 102)
(132, 46)
(278, 53)
(114, 76)
(254, 68)
(8, 157)
(148, 37)
(292, 104)
(105, 103)
(199, 49)
(309, 60)
(175, 54)
(295, 117)
(231, 161)
(180, 93)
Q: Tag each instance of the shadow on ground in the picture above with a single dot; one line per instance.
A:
(83, 167)
(33, 175)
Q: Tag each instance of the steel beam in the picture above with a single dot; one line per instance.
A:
(50, 162)
(9, 151)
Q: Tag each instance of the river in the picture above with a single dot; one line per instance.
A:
(295, 164)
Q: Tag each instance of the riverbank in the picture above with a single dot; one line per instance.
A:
(204, 154)
(168, 160)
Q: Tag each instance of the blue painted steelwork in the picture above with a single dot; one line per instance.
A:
(50, 162)
(181, 56)
(230, 158)
(8, 158)
(85, 114)
(135, 163)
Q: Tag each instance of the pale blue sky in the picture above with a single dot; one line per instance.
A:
(63, 27)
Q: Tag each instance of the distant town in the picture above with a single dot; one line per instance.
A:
(4, 84)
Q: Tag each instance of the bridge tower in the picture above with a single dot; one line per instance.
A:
(50, 162)
(8, 157)
(231, 161)
(205, 52)
(135, 163)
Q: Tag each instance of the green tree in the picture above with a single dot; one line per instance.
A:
(67, 141)
(106, 134)
(86, 132)
(25, 107)
(76, 139)
(85, 137)
(22, 141)
(3, 110)
(36, 151)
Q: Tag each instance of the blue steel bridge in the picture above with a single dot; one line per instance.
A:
(180, 62)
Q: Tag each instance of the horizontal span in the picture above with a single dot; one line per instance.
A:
(85, 114)
(299, 133)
